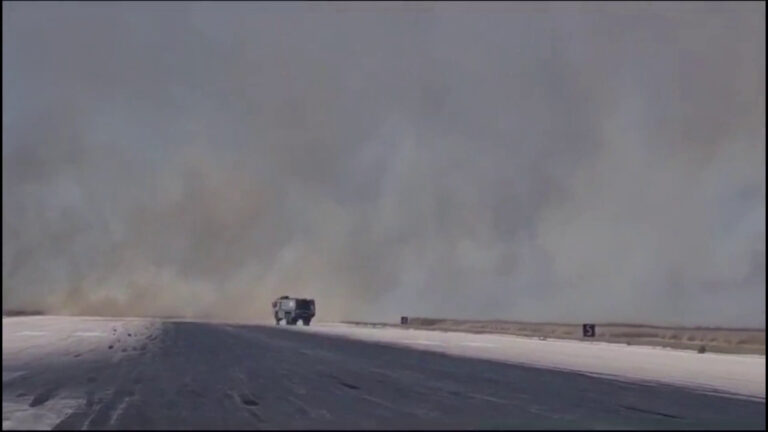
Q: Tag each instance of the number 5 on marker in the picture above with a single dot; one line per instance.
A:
(588, 330)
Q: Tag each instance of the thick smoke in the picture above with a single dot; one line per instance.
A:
(547, 162)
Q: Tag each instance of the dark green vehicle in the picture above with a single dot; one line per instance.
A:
(291, 310)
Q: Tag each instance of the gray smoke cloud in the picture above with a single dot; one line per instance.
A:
(546, 162)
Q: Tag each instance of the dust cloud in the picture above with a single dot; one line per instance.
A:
(547, 162)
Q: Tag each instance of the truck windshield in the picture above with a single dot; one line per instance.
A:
(304, 304)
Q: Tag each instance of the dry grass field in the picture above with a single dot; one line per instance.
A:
(722, 340)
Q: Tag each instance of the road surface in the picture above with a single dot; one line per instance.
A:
(742, 375)
(97, 373)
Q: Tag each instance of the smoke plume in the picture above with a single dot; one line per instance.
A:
(544, 162)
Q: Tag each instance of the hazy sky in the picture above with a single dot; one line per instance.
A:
(544, 162)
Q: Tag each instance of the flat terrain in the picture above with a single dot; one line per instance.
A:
(742, 375)
(723, 340)
(99, 373)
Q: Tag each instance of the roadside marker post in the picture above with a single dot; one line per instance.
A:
(588, 330)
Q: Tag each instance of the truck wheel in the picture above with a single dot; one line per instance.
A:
(292, 322)
(306, 321)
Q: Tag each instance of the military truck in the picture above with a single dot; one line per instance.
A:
(292, 310)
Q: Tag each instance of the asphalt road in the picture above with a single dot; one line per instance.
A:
(76, 373)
